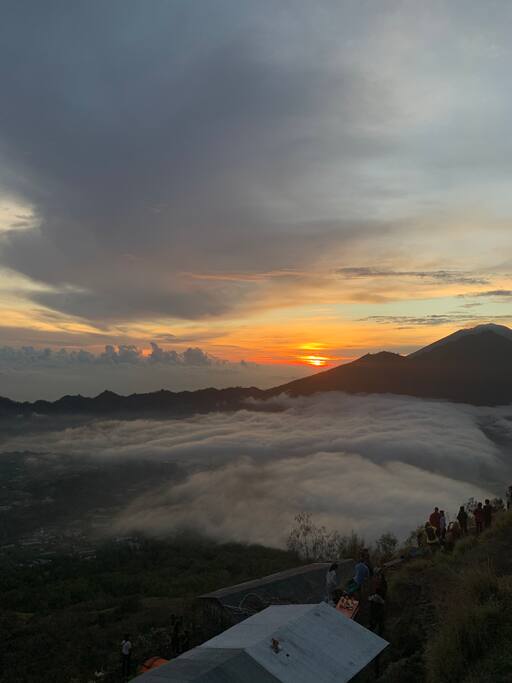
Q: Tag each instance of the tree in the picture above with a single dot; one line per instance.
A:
(315, 543)
(385, 547)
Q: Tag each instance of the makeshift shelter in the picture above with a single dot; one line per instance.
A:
(281, 644)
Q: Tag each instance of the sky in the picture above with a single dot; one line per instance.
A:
(256, 189)
(372, 464)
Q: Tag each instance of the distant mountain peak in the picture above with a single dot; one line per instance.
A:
(484, 328)
(488, 327)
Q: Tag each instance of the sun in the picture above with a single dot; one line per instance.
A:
(317, 361)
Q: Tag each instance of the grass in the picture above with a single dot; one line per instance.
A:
(450, 614)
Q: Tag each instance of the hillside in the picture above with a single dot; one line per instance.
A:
(62, 620)
(450, 616)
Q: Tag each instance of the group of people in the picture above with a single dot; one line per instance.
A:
(438, 532)
(367, 581)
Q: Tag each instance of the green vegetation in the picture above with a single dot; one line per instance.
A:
(450, 615)
(65, 620)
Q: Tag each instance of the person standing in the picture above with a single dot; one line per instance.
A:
(331, 583)
(126, 653)
(377, 601)
(462, 518)
(479, 518)
(435, 520)
(365, 554)
(487, 513)
(442, 525)
(361, 575)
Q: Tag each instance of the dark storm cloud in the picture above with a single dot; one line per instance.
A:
(156, 140)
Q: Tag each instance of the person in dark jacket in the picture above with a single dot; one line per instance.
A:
(487, 511)
(462, 518)
(479, 518)
(377, 600)
(435, 520)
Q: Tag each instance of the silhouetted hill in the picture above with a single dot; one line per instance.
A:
(470, 366)
(157, 403)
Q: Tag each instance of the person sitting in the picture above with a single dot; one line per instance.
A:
(432, 537)
(456, 530)
(452, 535)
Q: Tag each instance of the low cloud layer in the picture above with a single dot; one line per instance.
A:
(372, 464)
(28, 356)
(28, 373)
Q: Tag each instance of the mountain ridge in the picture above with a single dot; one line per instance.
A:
(470, 366)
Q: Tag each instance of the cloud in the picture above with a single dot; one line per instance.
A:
(441, 276)
(182, 145)
(494, 293)
(435, 319)
(372, 464)
(13, 358)
(192, 143)
(29, 374)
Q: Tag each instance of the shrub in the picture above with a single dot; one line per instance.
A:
(472, 624)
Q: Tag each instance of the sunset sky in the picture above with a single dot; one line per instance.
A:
(275, 186)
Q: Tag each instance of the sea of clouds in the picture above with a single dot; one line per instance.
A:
(366, 463)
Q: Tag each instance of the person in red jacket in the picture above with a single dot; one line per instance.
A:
(479, 518)
(435, 520)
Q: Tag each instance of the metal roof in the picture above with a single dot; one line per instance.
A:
(314, 643)
(202, 665)
(301, 585)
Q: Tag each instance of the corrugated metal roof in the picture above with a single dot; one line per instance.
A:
(315, 643)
